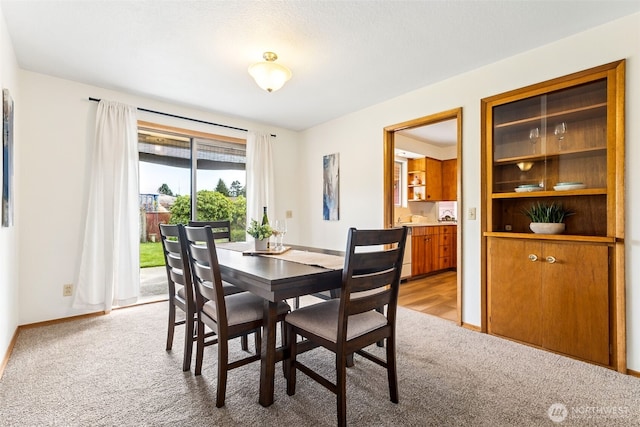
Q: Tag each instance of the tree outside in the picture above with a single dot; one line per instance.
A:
(237, 189)
(164, 189)
(222, 188)
(213, 206)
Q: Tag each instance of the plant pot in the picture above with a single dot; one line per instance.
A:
(547, 227)
(261, 245)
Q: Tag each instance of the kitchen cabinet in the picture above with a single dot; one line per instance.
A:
(433, 248)
(532, 300)
(433, 172)
(425, 254)
(447, 247)
(560, 141)
(416, 179)
(450, 179)
(424, 178)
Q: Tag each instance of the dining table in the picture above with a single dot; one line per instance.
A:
(298, 272)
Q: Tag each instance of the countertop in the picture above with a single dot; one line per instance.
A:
(425, 224)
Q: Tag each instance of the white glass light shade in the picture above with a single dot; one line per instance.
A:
(269, 75)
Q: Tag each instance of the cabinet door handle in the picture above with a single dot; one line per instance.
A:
(551, 259)
(533, 257)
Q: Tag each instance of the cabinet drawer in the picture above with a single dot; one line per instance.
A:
(445, 251)
(425, 231)
(447, 229)
(445, 239)
(445, 262)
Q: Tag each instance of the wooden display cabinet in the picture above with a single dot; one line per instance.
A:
(558, 141)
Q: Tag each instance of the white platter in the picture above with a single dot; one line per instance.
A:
(567, 187)
(527, 189)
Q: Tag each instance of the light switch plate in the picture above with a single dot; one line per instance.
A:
(471, 214)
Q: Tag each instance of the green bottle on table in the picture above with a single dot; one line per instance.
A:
(265, 221)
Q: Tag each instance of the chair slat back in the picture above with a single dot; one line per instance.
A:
(176, 260)
(205, 269)
(371, 275)
(221, 229)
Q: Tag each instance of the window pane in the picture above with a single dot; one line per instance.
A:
(164, 175)
(397, 183)
(220, 184)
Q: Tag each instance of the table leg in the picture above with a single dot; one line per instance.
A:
(268, 353)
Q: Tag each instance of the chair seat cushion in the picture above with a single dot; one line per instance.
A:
(243, 307)
(322, 319)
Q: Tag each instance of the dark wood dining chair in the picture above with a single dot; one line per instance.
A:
(229, 316)
(370, 280)
(180, 288)
(221, 229)
(181, 292)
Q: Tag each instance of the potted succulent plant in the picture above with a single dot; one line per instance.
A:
(547, 218)
(261, 233)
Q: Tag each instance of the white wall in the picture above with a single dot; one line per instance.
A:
(427, 149)
(57, 126)
(8, 236)
(358, 139)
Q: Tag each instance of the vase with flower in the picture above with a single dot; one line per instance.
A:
(261, 234)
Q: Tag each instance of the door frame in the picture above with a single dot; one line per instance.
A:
(388, 167)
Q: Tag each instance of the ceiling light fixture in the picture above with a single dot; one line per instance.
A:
(269, 75)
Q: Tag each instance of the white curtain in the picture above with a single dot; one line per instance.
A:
(260, 191)
(110, 266)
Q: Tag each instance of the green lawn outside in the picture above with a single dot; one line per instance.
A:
(151, 254)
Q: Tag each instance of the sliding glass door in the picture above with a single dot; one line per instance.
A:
(183, 177)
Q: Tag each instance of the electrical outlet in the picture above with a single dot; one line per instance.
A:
(288, 214)
(67, 290)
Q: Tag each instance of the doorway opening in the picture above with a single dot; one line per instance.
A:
(408, 202)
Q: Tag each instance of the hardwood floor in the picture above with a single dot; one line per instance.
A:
(436, 295)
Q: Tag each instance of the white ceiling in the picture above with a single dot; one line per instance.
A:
(344, 55)
(441, 134)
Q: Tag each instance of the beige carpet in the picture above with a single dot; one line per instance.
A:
(113, 370)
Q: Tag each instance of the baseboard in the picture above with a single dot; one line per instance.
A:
(61, 320)
(633, 373)
(471, 327)
(7, 355)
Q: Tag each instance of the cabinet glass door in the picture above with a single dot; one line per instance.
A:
(555, 141)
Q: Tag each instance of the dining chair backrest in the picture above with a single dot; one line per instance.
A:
(221, 229)
(370, 283)
(181, 293)
(371, 273)
(176, 261)
(201, 250)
